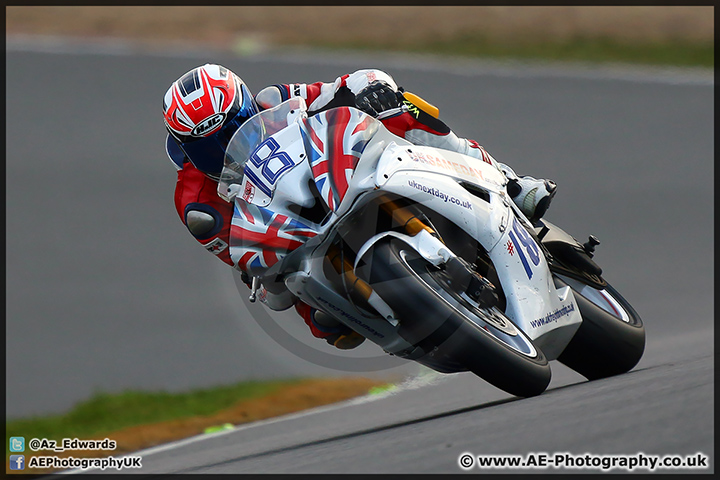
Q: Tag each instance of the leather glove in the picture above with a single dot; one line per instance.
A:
(246, 279)
(377, 97)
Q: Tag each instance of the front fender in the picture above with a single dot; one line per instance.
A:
(427, 246)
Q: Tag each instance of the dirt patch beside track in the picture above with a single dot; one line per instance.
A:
(394, 26)
(307, 394)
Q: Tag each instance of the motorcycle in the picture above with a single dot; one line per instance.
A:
(420, 250)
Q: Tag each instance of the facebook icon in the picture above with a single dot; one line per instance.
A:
(17, 462)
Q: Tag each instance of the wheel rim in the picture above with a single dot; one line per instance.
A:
(492, 320)
(601, 298)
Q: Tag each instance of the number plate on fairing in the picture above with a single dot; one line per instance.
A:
(269, 162)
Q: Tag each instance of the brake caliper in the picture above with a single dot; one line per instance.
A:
(465, 279)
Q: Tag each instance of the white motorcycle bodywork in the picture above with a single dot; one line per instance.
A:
(468, 192)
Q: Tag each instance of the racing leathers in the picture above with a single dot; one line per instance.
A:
(210, 219)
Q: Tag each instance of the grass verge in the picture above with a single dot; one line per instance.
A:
(593, 50)
(138, 420)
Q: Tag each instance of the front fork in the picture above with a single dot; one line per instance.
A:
(429, 245)
(463, 276)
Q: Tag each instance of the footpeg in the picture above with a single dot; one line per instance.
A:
(590, 245)
(254, 288)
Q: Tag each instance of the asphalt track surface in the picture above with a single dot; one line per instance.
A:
(107, 291)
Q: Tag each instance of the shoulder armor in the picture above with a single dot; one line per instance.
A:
(174, 153)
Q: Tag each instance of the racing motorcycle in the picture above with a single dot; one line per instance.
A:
(420, 250)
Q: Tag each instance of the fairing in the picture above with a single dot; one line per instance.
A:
(282, 162)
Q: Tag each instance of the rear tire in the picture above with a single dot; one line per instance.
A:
(605, 344)
(447, 329)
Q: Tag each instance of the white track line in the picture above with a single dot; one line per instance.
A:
(426, 378)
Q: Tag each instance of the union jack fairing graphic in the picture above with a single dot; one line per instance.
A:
(259, 237)
(331, 144)
(334, 141)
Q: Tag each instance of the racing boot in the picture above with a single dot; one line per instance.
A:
(328, 328)
(339, 335)
(531, 195)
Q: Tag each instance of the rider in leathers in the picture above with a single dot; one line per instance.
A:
(204, 107)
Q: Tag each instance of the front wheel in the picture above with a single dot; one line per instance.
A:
(449, 326)
(611, 337)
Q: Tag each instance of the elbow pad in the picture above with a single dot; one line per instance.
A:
(202, 220)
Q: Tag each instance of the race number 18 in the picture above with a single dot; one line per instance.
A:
(525, 244)
(266, 153)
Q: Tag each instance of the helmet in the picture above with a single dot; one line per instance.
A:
(202, 111)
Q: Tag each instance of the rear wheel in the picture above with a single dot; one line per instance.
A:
(449, 328)
(611, 338)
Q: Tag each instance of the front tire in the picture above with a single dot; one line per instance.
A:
(449, 328)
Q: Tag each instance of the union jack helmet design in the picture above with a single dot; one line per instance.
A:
(202, 111)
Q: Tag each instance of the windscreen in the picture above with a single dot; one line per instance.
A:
(249, 136)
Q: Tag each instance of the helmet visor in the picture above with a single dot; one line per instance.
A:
(208, 153)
